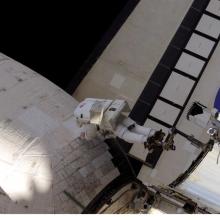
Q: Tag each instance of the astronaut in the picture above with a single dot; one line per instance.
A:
(108, 118)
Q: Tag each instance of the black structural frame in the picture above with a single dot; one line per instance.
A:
(94, 56)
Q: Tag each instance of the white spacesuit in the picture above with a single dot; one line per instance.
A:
(108, 118)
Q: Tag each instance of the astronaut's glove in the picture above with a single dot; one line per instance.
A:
(151, 133)
(157, 137)
(154, 140)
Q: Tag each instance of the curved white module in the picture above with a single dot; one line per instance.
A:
(40, 155)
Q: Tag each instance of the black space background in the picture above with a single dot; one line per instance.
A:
(55, 39)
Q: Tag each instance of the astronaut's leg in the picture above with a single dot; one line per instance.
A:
(122, 132)
(143, 130)
(135, 128)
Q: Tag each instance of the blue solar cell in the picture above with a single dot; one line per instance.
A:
(217, 101)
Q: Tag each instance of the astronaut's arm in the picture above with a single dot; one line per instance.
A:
(132, 135)
(146, 131)
(128, 136)
(147, 136)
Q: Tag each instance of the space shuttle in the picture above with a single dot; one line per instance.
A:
(161, 70)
